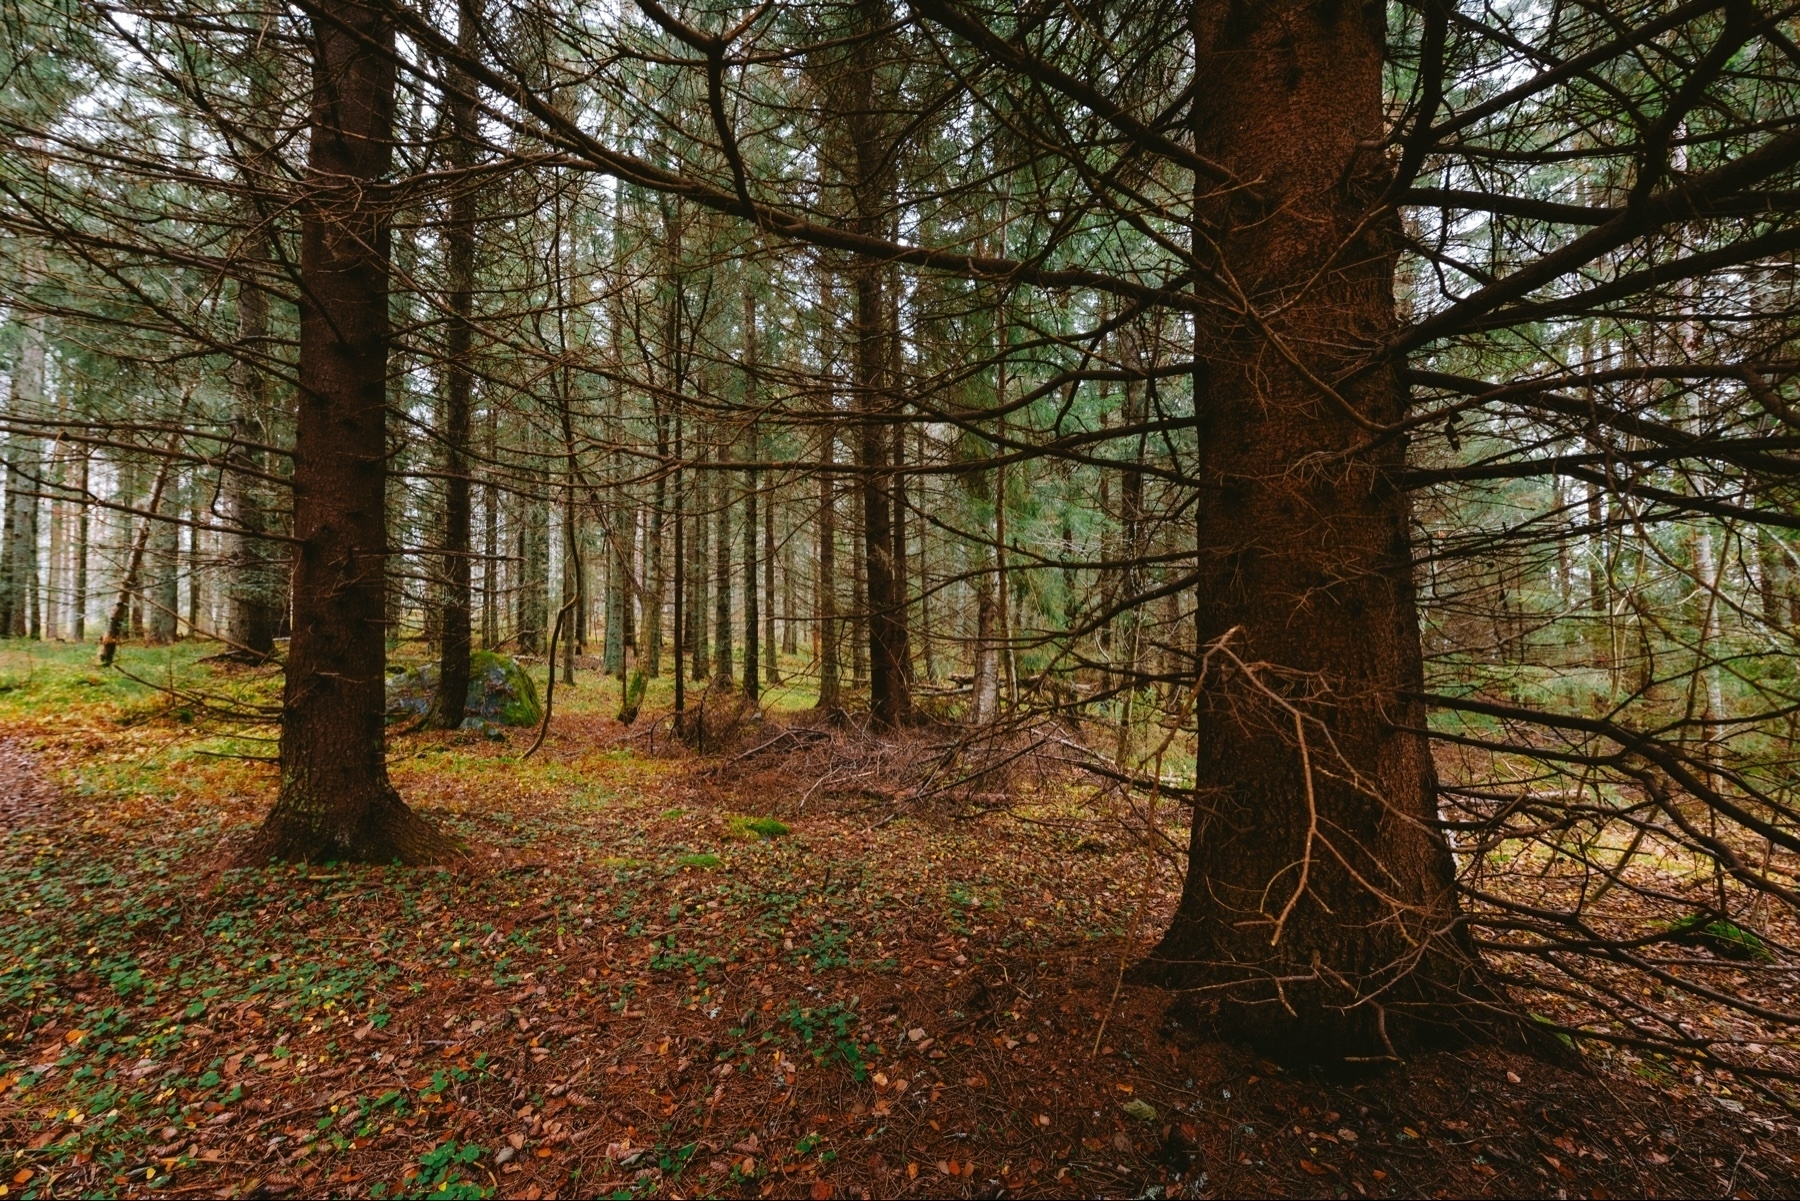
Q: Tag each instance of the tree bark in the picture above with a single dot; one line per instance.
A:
(455, 617)
(1318, 919)
(24, 469)
(83, 530)
(771, 652)
(721, 494)
(752, 589)
(825, 583)
(335, 801)
(165, 558)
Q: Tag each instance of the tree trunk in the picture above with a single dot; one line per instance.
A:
(448, 707)
(697, 576)
(1318, 919)
(825, 613)
(786, 555)
(889, 696)
(721, 493)
(859, 597)
(490, 542)
(24, 467)
(533, 619)
(165, 561)
(572, 584)
(655, 563)
(335, 801)
(752, 589)
(83, 531)
(134, 563)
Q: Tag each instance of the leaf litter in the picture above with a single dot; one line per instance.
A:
(671, 975)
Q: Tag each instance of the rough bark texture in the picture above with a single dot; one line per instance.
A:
(1318, 919)
(335, 801)
(165, 566)
(24, 470)
(825, 585)
(455, 617)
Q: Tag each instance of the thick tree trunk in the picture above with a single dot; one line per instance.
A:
(335, 801)
(1318, 919)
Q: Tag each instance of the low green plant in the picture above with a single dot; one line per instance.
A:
(1724, 939)
(750, 829)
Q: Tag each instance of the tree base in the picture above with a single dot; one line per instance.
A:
(386, 832)
(1446, 1003)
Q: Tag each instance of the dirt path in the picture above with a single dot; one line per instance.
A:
(27, 799)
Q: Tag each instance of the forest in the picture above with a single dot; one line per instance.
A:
(877, 598)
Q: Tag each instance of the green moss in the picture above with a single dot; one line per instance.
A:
(699, 861)
(1722, 938)
(751, 829)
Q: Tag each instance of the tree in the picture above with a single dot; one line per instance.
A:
(1319, 912)
(459, 244)
(335, 801)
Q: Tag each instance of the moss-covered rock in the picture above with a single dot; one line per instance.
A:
(500, 691)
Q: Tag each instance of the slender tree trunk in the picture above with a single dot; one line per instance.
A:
(449, 706)
(613, 647)
(24, 470)
(134, 562)
(335, 801)
(165, 563)
(571, 578)
(83, 531)
(888, 695)
(1318, 914)
(655, 562)
(859, 597)
(721, 491)
(195, 561)
(698, 575)
(533, 621)
(678, 592)
(53, 585)
(752, 589)
(490, 541)
(786, 608)
(825, 613)
(872, 189)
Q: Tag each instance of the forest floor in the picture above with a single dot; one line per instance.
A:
(638, 987)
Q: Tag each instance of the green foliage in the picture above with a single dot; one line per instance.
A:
(441, 1174)
(749, 829)
(1724, 939)
(829, 1033)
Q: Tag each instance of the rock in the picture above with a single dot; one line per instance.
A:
(500, 693)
